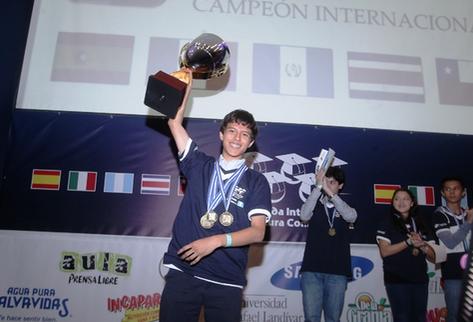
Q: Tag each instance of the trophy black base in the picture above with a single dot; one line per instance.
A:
(164, 93)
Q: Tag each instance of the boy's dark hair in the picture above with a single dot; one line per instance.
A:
(241, 117)
(336, 173)
(457, 179)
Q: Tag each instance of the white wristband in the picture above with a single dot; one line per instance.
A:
(229, 240)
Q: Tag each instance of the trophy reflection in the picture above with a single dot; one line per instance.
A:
(206, 57)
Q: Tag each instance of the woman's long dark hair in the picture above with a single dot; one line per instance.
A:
(400, 223)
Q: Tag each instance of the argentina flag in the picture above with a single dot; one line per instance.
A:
(118, 182)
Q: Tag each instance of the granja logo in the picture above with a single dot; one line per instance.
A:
(366, 308)
(288, 278)
(35, 298)
(118, 264)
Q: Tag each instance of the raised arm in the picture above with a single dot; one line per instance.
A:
(178, 131)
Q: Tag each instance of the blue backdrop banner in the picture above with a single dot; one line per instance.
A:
(118, 174)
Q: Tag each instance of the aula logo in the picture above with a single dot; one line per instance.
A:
(288, 278)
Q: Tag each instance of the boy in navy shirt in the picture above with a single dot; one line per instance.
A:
(225, 208)
(326, 265)
(452, 225)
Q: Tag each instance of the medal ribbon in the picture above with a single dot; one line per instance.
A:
(212, 192)
(330, 220)
(218, 190)
(227, 188)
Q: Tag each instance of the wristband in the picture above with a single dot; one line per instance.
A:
(229, 240)
(408, 242)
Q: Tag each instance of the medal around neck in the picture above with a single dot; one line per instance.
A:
(226, 219)
(332, 232)
(208, 220)
(206, 57)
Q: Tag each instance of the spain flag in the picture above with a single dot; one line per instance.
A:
(383, 193)
(42, 179)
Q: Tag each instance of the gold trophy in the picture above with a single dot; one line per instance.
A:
(206, 57)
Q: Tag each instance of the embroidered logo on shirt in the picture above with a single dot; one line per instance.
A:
(238, 195)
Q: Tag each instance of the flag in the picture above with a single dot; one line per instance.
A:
(424, 195)
(92, 58)
(455, 81)
(118, 182)
(82, 181)
(42, 179)
(155, 184)
(385, 77)
(164, 56)
(286, 70)
(383, 193)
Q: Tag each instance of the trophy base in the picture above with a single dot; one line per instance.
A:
(164, 93)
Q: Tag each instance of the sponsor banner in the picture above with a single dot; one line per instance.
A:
(73, 277)
(80, 277)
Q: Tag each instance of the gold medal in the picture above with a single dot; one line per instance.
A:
(226, 218)
(415, 251)
(208, 219)
(331, 232)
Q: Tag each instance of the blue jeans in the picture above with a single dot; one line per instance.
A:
(452, 291)
(408, 301)
(323, 292)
